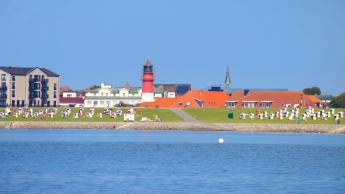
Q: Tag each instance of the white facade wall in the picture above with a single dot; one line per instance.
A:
(69, 94)
(148, 97)
(104, 103)
(105, 97)
(171, 95)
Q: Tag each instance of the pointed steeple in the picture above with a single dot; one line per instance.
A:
(227, 81)
(148, 63)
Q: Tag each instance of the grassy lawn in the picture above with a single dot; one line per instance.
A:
(219, 115)
(164, 114)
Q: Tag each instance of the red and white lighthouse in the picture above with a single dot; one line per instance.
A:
(148, 78)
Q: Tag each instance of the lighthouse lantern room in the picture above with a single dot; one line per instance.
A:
(148, 87)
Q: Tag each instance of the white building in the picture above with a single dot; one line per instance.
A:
(108, 96)
(71, 99)
(69, 94)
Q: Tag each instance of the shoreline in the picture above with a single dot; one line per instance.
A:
(190, 126)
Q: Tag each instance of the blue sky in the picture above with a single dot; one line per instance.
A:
(268, 44)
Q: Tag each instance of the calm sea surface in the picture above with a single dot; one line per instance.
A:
(129, 161)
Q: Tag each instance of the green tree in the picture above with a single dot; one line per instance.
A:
(312, 91)
(339, 101)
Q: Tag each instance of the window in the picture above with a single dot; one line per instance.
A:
(55, 86)
(54, 94)
(3, 84)
(89, 102)
(231, 104)
(13, 103)
(13, 78)
(13, 85)
(13, 93)
(3, 77)
(23, 102)
(249, 104)
(266, 104)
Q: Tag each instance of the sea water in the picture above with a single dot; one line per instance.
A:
(138, 161)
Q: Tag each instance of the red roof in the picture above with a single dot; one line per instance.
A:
(192, 99)
(218, 99)
(311, 99)
(277, 98)
(72, 100)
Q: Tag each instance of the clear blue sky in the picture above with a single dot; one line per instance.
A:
(268, 44)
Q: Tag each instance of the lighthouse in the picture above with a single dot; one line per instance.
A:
(148, 78)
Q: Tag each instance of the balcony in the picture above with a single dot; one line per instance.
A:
(44, 87)
(33, 95)
(45, 81)
(45, 96)
(3, 88)
(33, 87)
(3, 96)
(33, 80)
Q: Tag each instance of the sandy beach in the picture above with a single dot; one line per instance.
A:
(245, 127)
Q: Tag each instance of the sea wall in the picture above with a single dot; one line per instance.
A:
(248, 127)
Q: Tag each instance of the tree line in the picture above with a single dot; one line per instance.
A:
(336, 101)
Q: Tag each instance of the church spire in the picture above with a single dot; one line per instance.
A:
(227, 81)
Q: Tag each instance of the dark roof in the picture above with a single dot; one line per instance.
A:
(148, 63)
(171, 87)
(17, 70)
(49, 73)
(26, 70)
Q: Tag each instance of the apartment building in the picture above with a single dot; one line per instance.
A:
(28, 87)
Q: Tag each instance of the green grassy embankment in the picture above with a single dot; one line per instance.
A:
(165, 115)
(220, 115)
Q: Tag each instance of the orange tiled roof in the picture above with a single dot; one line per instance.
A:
(217, 99)
(312, 99)
(278, 98)
(192, 99)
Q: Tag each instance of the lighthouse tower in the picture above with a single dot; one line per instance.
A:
(148, 88)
